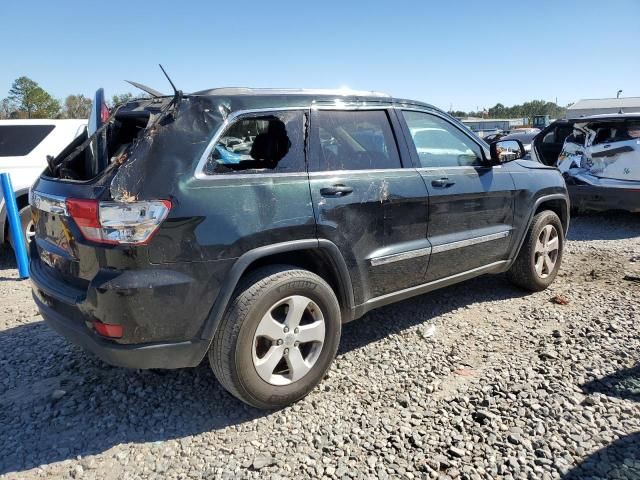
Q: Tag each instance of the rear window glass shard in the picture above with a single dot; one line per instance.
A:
(20, 140)
(272, 142)
(353, 140)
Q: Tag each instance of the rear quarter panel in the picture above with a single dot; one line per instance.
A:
(224, 216)
(532, 181)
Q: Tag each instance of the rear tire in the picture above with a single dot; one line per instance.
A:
(27, 226)
(254, 353)
(540, 257)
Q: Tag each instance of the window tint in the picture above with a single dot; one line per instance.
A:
(19, 140)
(260, 143)
(353, 140)
(550, 137)
(440, 144)
(562, 133)
(558, 135)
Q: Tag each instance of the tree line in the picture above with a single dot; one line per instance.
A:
(525, 110)
(27, 99)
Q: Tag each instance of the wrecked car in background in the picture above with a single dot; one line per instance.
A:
(599, 156)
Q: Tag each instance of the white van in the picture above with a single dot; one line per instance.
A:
(24, 146)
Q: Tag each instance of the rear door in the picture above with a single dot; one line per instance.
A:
(365, 202)
(470, 201)
(550, 141)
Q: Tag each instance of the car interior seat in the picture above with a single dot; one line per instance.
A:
(271, 146)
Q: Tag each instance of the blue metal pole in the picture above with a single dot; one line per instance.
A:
(15, 226)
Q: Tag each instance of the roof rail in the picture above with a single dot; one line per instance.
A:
(291, 91)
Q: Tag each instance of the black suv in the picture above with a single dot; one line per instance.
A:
(248, 225)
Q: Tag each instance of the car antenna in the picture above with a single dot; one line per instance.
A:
(176, 92)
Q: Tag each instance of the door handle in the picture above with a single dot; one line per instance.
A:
(338, 190)
(443, 182)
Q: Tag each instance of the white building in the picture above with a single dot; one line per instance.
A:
(597, 106)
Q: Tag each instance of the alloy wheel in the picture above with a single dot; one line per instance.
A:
(29, 232)
(546, 251)
(288, 340)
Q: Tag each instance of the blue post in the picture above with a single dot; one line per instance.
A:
(15, 226)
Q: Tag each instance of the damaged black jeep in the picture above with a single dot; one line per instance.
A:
(248, 225)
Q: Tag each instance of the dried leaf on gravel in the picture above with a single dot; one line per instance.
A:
(560, 300)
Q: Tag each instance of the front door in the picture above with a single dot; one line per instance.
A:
(470, 201)
(365, 202)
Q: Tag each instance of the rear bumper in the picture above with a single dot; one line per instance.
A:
(160, 329)
(599, 198)
(149, 355)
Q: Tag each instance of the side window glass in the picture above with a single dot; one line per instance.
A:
(353, 140)
(272, 142)
(20, 140)
(440, 144)
(550, 137)
(562, 133)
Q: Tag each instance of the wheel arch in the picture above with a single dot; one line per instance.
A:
(557, 203)
(322, 257)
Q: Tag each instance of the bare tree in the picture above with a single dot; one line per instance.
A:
(77, 106)
(7, 108)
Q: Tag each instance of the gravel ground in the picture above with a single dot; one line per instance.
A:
(478, 380)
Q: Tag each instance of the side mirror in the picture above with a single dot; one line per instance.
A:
(504, 151)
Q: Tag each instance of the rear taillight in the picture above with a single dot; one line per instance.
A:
(116, 223)
(108, 329)
(104, 112)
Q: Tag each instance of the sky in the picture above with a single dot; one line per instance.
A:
(459, 54)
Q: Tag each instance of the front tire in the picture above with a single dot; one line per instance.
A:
(278, 337)
(539, 259)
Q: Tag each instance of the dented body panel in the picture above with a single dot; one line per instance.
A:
(379, 234)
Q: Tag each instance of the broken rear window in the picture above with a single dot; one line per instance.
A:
(260, 143)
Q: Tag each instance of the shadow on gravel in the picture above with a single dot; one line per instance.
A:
(619, 460)
(7, 262)
(623, 384)
(102, 406)
(614, 225)
(395, 318)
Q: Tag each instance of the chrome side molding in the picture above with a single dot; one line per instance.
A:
(470, 241)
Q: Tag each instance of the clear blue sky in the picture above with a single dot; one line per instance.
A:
(463, 53)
